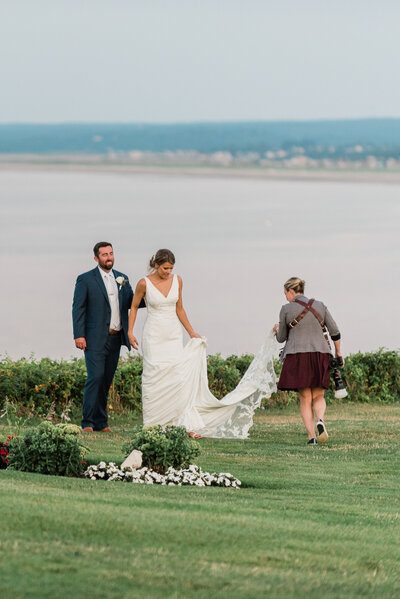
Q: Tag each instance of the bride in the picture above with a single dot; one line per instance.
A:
(174, 381)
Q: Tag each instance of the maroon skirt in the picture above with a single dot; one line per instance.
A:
(305, 370)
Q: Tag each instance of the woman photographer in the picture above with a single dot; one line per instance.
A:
(307, 353)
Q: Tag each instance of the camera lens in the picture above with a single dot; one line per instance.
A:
(340, 391)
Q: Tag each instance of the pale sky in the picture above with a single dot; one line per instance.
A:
(198, 60)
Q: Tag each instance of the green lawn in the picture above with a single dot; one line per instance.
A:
(311, 521)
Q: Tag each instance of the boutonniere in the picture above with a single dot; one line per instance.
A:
(121, 282)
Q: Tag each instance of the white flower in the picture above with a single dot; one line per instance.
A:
(189, 476)
(121, 282)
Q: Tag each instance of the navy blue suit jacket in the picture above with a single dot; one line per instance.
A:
(91, 311)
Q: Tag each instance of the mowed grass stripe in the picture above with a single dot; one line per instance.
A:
(311, 521)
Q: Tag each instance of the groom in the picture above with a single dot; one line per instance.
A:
(102, 299)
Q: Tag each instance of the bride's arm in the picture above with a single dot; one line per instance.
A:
(180, 311)
(139, 294)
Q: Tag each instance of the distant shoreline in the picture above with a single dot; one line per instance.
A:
(85, 163)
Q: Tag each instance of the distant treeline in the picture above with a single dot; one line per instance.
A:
(379, 137)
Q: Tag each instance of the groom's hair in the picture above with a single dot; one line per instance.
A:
(100, 244)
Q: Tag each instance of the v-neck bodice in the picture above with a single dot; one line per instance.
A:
(162, 332)
(155, 286)
(156, 301)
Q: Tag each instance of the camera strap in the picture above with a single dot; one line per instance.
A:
(308, 308)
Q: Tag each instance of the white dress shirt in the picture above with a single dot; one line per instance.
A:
(112, 291)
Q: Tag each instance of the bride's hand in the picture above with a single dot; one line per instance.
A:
(275, 329)
(133, 341)
(195, 336)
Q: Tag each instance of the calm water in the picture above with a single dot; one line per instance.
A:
(236, 242)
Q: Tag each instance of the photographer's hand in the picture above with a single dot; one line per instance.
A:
(339, 356)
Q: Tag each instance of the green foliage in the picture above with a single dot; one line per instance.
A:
(44, 386)
(222, 376)
(48, 449)
(162, 448)
(373, 376)
(241, 363)
(55, 388)
(126, 391)
(14, 421)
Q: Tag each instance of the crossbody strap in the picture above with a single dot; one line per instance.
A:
(308, 308)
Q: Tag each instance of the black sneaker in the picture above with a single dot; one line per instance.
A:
(322, 432)
(312, 441)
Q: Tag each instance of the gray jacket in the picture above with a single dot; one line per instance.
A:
(307, 335)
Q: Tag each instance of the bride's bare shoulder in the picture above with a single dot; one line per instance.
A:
(141, 285)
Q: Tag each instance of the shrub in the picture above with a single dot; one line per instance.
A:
(48, 449)
(126, 390)
(162, 448)
(241, 363)
(42, 387)
(373, 376)
(222, 376)
(52, 389)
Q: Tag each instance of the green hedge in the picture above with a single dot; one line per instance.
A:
(41, 387)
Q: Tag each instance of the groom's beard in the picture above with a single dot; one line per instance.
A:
(106, 264)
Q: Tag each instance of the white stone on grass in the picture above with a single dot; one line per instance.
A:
(134, 460)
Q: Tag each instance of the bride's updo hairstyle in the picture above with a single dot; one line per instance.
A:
(160, 257)
(296, 284)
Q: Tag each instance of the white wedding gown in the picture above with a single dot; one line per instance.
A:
(174, 382)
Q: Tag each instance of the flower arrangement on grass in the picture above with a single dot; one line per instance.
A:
(193, 475)
(163, 447)
(164, 453)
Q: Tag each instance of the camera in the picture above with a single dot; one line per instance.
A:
(334, 365)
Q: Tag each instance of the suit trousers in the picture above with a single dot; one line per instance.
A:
(101, 366)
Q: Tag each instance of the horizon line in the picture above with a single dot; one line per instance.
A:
(201, 122)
